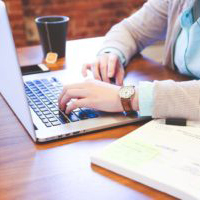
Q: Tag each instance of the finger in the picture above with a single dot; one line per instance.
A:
(104, 69)
(120, 76)
(79, 103)
(71, 94)
(95, 70)
(85, 68)
(62, 94)
(63, 101)
(112, 64)
(70, 86)
(65, 88)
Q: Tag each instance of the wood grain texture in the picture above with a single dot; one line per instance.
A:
(62, 169)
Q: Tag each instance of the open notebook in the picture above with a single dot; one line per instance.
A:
(161, 156)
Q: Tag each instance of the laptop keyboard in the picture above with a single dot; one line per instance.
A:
(43, 99)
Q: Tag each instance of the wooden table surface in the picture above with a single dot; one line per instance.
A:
(62, 169)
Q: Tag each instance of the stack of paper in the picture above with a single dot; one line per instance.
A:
(161, 156)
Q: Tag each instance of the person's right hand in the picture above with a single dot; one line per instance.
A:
(106, 67)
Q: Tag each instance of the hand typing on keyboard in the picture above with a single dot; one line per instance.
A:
(42, 96)
(91, 94)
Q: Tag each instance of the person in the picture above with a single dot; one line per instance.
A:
(156, 20)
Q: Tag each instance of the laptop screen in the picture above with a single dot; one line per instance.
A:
(11, 84)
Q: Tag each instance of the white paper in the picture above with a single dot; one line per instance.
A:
(165, 154)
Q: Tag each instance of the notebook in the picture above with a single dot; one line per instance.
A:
(33, 98)
(164, 157)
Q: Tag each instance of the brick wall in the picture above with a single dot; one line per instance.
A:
(88, 18)
(17, 21)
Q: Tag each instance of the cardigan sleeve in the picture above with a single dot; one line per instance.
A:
(139, 30)
(145, 97)
(176, 99)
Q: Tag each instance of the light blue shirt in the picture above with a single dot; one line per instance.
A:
(187, 51)
(181, 46)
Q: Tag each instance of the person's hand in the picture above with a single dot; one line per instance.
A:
(91, 94)
(106, 67)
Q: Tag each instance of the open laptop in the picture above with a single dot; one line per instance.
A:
(33, 98)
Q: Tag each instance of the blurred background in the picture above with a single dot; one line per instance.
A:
(88, 18)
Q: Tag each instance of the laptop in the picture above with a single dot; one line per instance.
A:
(33, 98)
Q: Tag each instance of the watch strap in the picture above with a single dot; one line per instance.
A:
(126, 103)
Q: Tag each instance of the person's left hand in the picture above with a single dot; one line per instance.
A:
(90, 94)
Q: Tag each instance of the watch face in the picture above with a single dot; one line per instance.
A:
(126, 92)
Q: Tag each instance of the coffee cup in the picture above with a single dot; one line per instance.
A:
(53, 34)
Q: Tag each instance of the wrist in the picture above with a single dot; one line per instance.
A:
(127, 94)
(135, 100)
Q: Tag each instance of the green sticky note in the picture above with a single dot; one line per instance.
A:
(129, 152)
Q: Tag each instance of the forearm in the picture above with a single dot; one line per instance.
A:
(169, 99)
(176, 99)
(142, 28)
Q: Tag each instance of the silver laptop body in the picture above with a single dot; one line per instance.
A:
(13, 91)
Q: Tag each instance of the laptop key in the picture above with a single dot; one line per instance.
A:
(49, 116)
(50, 106)
(81, 115)
(46, 113)
(36, 109)
(56, 123)
(39, 113)
(73, 117)
(53, 119)
(42, 117)
(41, 106)
(43, 109)
(90, 113)
(54, 109)
(45, 120)
(62, 118)
(48, 124)
(54, 79)
(56, 112)
(38, 103)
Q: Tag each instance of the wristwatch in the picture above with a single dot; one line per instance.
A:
(126, 93)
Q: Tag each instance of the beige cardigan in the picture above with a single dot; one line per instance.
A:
(158, 19)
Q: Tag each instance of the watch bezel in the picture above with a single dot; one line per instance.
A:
(123, 92)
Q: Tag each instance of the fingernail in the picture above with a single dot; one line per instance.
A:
(67, 113)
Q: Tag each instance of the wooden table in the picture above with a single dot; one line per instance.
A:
(62, 169)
